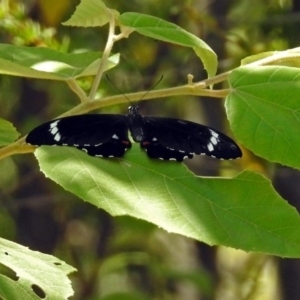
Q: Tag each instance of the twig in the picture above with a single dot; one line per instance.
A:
(106, 53)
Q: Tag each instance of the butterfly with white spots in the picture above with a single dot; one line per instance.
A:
(106, 135)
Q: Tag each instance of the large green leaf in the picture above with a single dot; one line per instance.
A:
(244, 212)
(162, 30)
(46, 63)
(8, 132)
(264, 111)
(32, 268)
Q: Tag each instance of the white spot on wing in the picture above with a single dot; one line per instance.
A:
(115, 137)
(214, 137)
(57, 137)
(213, 133)
(54, 130)
(214, 140)
(210, 147)
(53, 127)
(54, 124)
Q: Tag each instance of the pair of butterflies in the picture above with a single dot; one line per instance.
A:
(106, 135)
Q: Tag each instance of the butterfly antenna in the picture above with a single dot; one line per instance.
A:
(117, 88)
(152, 88)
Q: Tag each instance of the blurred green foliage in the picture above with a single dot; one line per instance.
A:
(124, 258)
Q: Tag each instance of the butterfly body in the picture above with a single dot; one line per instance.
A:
(106, 135)
(136, 123)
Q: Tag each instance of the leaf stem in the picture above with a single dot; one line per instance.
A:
(77, 89)
(105, 56)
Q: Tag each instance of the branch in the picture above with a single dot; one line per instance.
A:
(105, 56)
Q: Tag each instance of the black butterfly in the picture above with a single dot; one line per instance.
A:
(106, 135)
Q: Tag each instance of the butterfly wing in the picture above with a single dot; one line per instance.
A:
(176, 139)
(100, 135)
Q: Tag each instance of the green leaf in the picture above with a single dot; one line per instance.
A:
(11, 290)
(244, 212)
(46, 63)
(46, 272)
(256, 57)
(162, 30)
(295, 62)
(91, 13)
(8, 132)
(264, 111)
